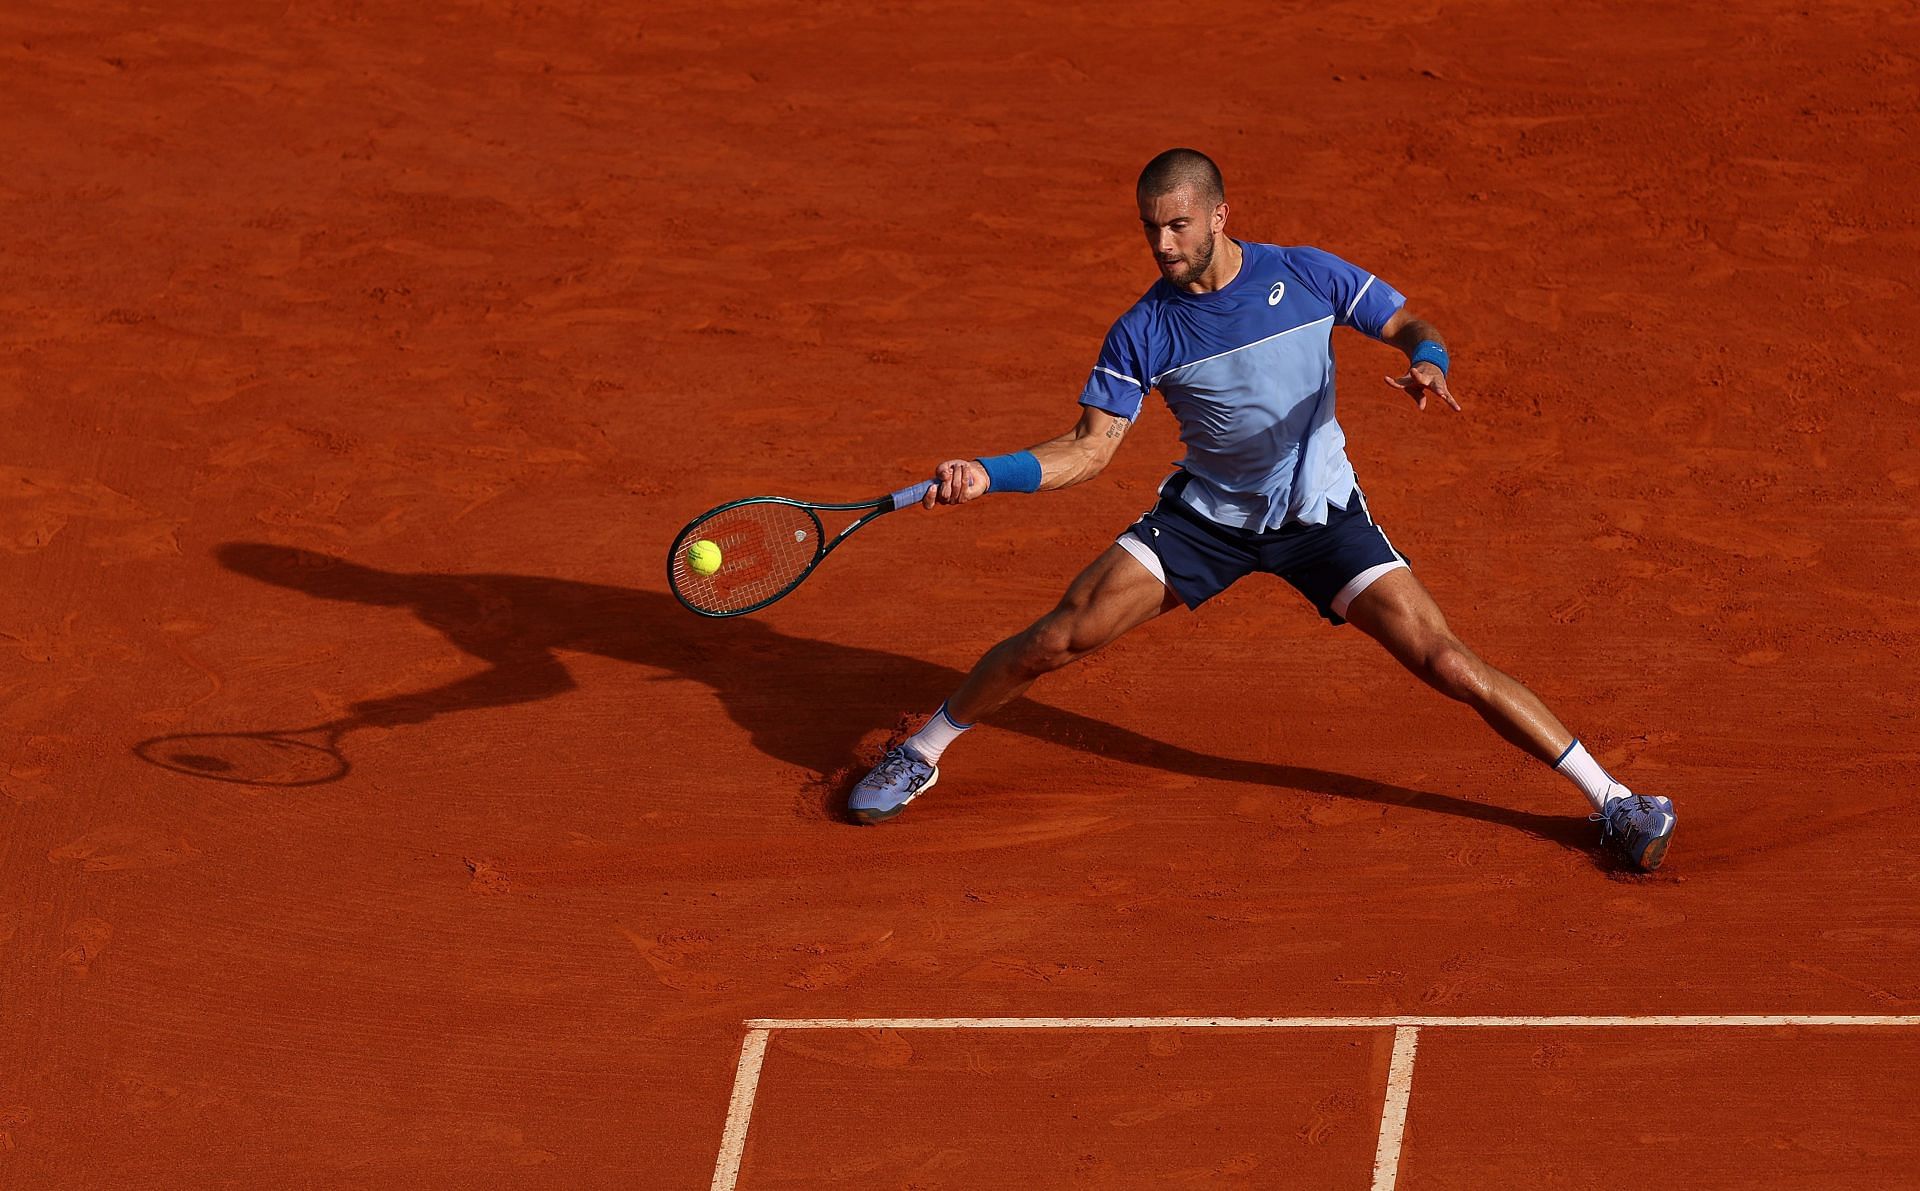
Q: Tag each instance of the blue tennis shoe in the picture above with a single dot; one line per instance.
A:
(901, 777)
(1637, 828)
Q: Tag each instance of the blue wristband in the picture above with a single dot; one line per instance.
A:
(1018, 472)
(1432, 353)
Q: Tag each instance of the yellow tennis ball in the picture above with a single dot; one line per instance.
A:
(704, 557)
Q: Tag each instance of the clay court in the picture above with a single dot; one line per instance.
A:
(362, 360)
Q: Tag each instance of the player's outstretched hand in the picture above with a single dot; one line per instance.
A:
(1420, 380)
(956, 482)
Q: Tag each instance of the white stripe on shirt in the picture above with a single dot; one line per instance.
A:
(1243, 347)
(1356, 298)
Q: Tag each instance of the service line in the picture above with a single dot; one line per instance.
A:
(1393, 1118)
(746, 1079)
(1393, 1114)
(1312, 1023)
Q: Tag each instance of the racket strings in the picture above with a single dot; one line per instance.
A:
(765, 548)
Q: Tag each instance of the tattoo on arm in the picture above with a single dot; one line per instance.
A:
(1118, 429)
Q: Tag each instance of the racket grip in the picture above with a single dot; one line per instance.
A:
(911, 495)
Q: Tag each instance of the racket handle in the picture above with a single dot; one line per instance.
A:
(911, 495)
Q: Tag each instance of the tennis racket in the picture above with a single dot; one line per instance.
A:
(768, 546)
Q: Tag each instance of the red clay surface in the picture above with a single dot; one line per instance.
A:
(1161, 1108)
(1699, 1110)
(360, 361)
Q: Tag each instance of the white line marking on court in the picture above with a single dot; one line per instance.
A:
(733, 1143)
(1393, 1116)
(1313, 1023)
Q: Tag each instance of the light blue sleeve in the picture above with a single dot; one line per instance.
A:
(1119, 378)
(1358, 298)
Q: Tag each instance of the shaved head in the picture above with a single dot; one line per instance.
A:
(1183, 210)
(1182, 167)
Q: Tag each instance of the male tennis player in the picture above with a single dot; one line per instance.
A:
(1235, 335)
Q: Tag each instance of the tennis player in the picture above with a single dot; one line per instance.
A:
(1236, 336)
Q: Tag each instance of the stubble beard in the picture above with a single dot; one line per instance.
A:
(1202, 260)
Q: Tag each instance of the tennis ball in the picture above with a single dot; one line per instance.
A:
(704, 557)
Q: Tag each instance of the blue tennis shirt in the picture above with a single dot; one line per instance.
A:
(1248, 373)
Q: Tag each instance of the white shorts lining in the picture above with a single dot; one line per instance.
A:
(1361, 582)
(1131, 543)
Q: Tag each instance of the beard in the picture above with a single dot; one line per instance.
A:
(1195, 266)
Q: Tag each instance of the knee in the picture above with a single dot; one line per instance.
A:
(1450, 668)
(1050, 644)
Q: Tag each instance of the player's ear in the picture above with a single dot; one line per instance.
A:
(1220, 217)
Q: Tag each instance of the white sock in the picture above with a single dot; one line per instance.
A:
(1600, 788)
(933, 739)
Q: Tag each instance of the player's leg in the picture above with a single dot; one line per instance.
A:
(1104, 602)
(1396, 610)
(1171, 556)
(1114, 595)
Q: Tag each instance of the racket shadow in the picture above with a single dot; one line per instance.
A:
(285, 758)
(830, 696)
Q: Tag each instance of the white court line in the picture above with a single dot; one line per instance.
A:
(1308, 1023)
(1393, 1116)
(733, 1143)
(1386, 1162)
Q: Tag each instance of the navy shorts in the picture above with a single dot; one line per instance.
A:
(1329, 564)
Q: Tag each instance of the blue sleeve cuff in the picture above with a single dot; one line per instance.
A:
(1432, 353)
(1018, 472)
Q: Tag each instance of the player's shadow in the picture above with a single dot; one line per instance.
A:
(803, 701)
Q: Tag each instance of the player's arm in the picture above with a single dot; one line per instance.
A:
(1072, 458)
(1426, 357)
(1082, 452)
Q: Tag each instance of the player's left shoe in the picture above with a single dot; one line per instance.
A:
(1637, 828)
(902, 776)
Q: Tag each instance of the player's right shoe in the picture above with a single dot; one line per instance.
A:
(1637, 828)
(901, 777)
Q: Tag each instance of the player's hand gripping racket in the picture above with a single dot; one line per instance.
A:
(746, 554)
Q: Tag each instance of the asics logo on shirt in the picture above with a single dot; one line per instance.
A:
(1273, 295)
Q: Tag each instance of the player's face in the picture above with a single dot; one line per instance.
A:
(1181, 227)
